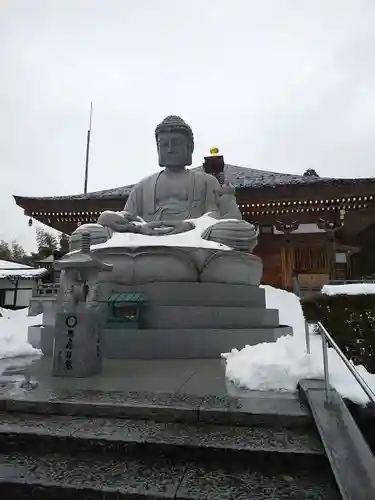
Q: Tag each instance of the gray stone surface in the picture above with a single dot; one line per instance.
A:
(34, 424)
(155, 477)
(129, 476)
(281, 440)
(216, 481)
(77, 350)
(45, 305)
(87, 443)
(238, 235)
(191, 324)
(160, 317)
(255, 409)
(233, 267)
(139, 266)
(177, 389)
(351, 459)
(75, 435)
(182, 344)
(164, 201)
(155, 198)
(41, 337)
(204, 294)
(80, 315)
(98, 233)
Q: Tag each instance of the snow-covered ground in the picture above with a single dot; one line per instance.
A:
(280, 365)
(13, 333)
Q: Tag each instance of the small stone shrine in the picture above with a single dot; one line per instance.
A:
(125, 310)
(182, 252)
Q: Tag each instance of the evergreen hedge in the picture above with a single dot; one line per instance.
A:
(350, 320)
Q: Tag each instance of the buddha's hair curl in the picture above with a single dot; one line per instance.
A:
(175, 124)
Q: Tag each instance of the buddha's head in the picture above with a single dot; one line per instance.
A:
(175, 142)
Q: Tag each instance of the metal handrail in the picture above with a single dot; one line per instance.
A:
(327, 339)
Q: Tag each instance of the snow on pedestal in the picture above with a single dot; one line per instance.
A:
(189, 239)
(281, 364)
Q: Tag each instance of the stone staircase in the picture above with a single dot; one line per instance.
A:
(96, 445)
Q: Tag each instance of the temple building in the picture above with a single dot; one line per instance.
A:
(309, 226)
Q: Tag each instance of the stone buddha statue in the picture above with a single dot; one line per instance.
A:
(218, 248)
(175, 193)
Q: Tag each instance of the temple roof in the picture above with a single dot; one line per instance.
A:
(10, 269)
(240, 177)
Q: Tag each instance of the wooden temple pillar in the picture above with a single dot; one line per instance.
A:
(287, 254)
(335, 272)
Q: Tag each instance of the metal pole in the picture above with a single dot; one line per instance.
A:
(307, 336)
(87, 152)
(325, 366)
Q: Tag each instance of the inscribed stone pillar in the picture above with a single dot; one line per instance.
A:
(77, 344)
(80, 315)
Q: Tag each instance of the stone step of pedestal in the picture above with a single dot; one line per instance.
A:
(261, 409)
(48, 433)
(203, 294)
(44, 457)
(59, 476)
(126, 343)
(160, 317)
(183, 343)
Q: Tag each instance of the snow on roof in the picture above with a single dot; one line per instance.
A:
(7, 264)
(10, 269)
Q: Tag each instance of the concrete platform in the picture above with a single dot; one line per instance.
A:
(168, 343)
(157, 389)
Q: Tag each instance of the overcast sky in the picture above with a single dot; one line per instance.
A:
(279, 85)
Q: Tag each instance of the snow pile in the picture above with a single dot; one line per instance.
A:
(280, 365)
(349, 289)
(189, 239)
(13, 333)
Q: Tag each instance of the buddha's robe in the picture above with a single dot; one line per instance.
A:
(180, 195)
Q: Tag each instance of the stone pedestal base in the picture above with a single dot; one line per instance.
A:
(184, 344)
(184, 320)
(163, 344)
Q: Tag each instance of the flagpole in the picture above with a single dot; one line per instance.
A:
(88, 151)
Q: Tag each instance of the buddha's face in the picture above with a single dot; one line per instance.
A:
(174, 149)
